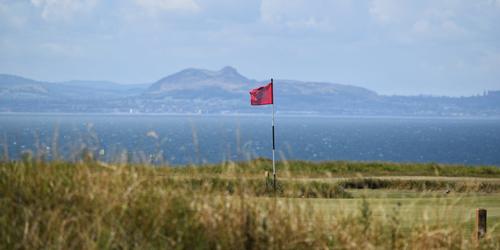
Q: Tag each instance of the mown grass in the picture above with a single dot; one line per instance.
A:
(89, 205)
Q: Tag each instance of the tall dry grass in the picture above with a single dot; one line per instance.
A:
(93, 206)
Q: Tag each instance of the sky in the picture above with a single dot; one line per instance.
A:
(429, 47)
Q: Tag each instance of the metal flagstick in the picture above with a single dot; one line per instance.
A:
(274, 166)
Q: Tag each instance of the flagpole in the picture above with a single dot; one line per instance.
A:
(274, 165)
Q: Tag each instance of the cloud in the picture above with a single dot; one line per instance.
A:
(326, 39)
(155, 6)
(429, 19)
(387, 11)
(63, 9)
(12, 16)
(438, 23)
(303, 14)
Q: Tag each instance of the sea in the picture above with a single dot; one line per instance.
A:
(175, 139)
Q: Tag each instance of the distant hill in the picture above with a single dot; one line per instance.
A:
(227, 79)
(16, 87)
(226, 91)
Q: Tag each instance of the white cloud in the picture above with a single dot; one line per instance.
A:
(430, 19)
(387, 11)
(422, 26)
(438, 23)
(11, 16)
(155, 6)
(303, 14)
(63, 9)
(441, 29)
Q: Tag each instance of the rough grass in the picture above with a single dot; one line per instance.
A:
(347, 169)
(422, 185)
(90, 205)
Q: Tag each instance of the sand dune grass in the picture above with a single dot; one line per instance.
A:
(89, 205)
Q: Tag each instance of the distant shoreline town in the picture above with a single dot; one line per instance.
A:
(197, 91)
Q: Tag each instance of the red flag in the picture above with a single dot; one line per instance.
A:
(262, 95)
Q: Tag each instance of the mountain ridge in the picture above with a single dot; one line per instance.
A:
(191, 78)
(225, 90)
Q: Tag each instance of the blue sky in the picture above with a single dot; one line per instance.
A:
(437, 47)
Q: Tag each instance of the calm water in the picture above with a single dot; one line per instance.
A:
(199, 139)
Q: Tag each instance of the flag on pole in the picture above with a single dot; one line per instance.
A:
(262, 95)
